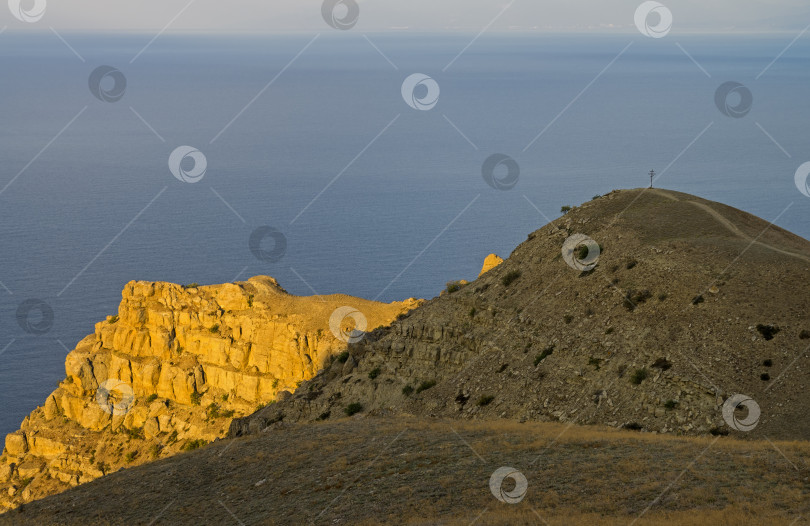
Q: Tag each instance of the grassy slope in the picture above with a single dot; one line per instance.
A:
(409, 471)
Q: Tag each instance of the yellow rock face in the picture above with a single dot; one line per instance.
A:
(490, 262)
(176, 364)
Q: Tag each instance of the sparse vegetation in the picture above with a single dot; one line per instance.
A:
(767, 363)
(485, 400)
(510, 277)
(634, 298)
(768, 331)
(424, 386)
(764, 377)
(151, 398)
(804, 334)
(663, 364)
(214, 329)
(631, 264)
(663, 296)
(325, 415)
(568, 318)
(191, 445)
(343, 357)
(191, 285)
(453, 286)
(565, 209)
(131, 456)
(472, 312)
(196, 398)
(155, 450)
(669, 405)
(595, 362)
(407, 390)
(698, 299)
(638, 376)
(374, 373)
(250, 301)
(353, 408)
(112, 319)
(215, 411)
(542, 356)
(503, 367)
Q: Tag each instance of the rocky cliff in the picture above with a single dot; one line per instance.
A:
(171, 370)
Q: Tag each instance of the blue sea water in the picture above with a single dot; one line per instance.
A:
(401, 204)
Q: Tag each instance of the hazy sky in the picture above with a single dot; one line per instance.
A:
(415, 15)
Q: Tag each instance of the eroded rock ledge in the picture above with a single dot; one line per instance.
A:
(170, 371)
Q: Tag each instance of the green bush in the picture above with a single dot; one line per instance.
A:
(424, 386)
(374, 373)
(196, 397)
(510, 277)
(453, 286)
(639, 375)
(485, 400)
(407, 390)
(112, 319)
(132, 455)
(342, 357)
(353, 408)
(191, 285)
(565, 209)
(214, 329)
(151, 398)
(670, 404)
(191, 445)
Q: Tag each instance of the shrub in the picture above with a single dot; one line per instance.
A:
(196, 397)
(597, 196)
(639, 375)
(609, 330)
(596, 362)
(662, 296)
(342, 357)
(214, 329)
(250, 301)
(472, 312)
(631, 264)
(453, 286)
(112, 319)
(151, 398)
(172, 438)
(424, 386)
(374, 373)
(191, 445)
(670, 404)
(565, 209)
(485, 400)
(132, 455)
(407, 390)
(633, 298)
(191, 285)
(662, 363)
(325, 415)
(503, 367)
(510, 277)
(698, 299)
(767, 363)
(542, 356)
(136, 433)
(804, 335)
(768, 331)
(275, 383)
(568, 318)
(155, 450)
(633, 426)
(353, 408)
(764, 377)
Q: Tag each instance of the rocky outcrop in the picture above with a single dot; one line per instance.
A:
(170, 371)
(490, 262)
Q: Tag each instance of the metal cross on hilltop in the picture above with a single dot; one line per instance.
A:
(652, 174)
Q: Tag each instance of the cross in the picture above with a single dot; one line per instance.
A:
(652, 174)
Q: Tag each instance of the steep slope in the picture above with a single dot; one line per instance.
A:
(689, 302)
(169, 371)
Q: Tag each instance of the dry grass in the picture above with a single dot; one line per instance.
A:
(408, 471)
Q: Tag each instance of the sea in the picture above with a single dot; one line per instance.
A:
(352, 163)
